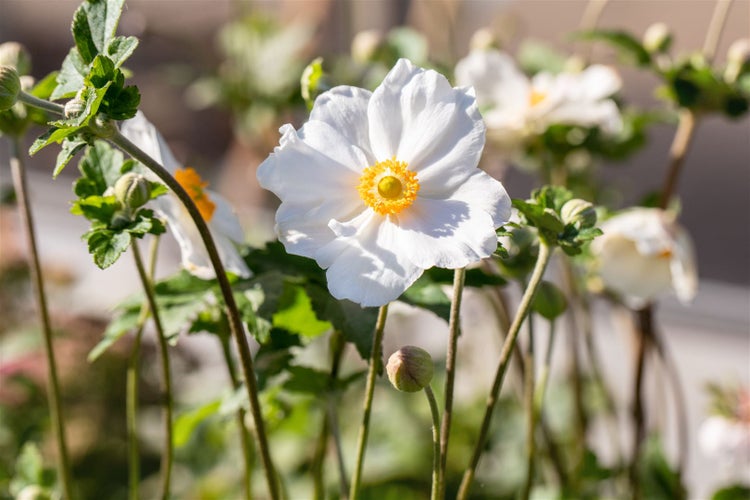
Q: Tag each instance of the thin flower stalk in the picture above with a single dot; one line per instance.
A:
(528, 396)
(53, 384)
(168, 454)
(454, 329)
(364, 428)
(436, 486)
(545, 252)
(235, 323)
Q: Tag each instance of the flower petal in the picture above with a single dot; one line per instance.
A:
(344, 108)
(369, 266)
(496, 79)
(445, 233)
(598, 82)
(486, 193)
(298, 170)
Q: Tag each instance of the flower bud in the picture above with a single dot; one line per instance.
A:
(657, 38)
(578, 212)
(738, 59)
(483, 39)
(15, 55)
(74, 107)
(10, 87)
(365, 45)
(410, 369)
(132, 190)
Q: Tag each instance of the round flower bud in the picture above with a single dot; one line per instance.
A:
(657, 38)
(365, 45)
(14, 54)
(578, 212)
(132, 190)
(410, 369)
(738, 59)
(483, 39)
(10, 87)
(74, 107)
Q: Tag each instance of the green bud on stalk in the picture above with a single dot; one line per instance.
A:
(578, 212)
(10, 87)
(410, 369)
(15, 55)
(132, 190)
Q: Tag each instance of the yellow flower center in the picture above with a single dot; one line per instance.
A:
(189, 179)
(388, 187)
(535, 97)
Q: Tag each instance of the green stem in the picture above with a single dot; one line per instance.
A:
(316, 468)
(454, 329)
(436, 488)
(37, 278)
(528, 386)
(33, 101)
(247, 455)
(545, 252)
(168, 456)
(372, 373)
(131, 388)
(235, 322)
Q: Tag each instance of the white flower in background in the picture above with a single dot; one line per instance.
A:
(516, 107)
(216, 211)
(725, 435)
(644, 253)
(379, 186)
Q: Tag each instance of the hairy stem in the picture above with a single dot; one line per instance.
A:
(235, 323)
(168, 456)
(53, 383)
(364, 427)
(436, 487)
(545, 252)
(454, 329)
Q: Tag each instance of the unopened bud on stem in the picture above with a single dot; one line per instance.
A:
(10, 87)
(410, 369)
(579, 212)
(657, 39)
(132, 190)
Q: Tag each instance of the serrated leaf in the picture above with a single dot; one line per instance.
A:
(50, 136)
(101, 164)
(82, 35)
(122, 103)
(43, 88)
(106, 246)
(71, 75)
(92, 98)
(186, 423)
(120, 48)
(102, 18)
(70, 147)
(102, 72)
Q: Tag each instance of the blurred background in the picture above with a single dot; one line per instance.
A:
(225, 124)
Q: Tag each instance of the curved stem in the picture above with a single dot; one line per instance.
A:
(247, 454)
(436, 488)
(44, 104)
(372, 373)
(168, 456)
(677, 153)
(454, 329)
(35, 269)
(235, 323)
(545, 252)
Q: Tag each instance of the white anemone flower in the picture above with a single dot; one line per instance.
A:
(516, 107)
(216, 211)
(644, 253)
(379, 186)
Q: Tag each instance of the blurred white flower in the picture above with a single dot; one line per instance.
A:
(516, 107)
(725, 435)
(644, 253)
(379, 186)
(216, 211)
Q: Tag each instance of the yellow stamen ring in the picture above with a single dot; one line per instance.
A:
(535, 97)
(189, 179)
(388, 187)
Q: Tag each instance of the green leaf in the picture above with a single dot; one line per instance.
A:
(311, 80)
(70, 147)
(102, 17)
(307, 380)
(628, 46)
(102, 72)
(102, 165)
(549, 301)
(82, 35)
(52, 135)
(295, 313)
(121, 48)
(122, 323)
(106, 246)
(427, 294)
(122, 103)
(43, 88)
(734, 492)
(71, 75)
(187, 422)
